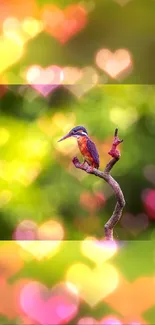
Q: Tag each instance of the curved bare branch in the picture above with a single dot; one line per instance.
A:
(117, 213)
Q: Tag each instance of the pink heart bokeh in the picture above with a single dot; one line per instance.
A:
(29, 230)
(87, 321)
(107, 320)
(116, 64)
(148, 198)
(56, 306)
(79, 81)
(110, 320)
(44, 80)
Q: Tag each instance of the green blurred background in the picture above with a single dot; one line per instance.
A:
(38, 180)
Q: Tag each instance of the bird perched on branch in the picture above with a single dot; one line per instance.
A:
(86, 146)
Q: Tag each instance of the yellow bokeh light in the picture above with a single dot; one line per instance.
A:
(5, 197)
(98, 250)
(11, 51)
(4, 136)
(93, 284)
(26, 175)
(63, 121)
(72, 288)
(21, 32)
(12, 30)
(32, 26)
(124, 117)
(51, 230)
(11, 24)
(33, 148)
(69, 146)
(59, 122)
(40, 249)
(16, 170)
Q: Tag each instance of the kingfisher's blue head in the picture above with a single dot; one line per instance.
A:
(76, 132)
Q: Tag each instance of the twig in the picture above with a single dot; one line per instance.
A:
(117, 213)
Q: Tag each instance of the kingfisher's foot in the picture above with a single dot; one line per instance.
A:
(77, 163)
(114, 152)
(82, 165)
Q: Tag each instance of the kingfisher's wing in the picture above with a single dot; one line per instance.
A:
(93, 151)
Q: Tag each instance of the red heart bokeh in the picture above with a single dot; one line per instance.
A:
(148, 198)
(64, 24)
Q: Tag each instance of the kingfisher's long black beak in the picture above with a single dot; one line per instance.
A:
(68, 135)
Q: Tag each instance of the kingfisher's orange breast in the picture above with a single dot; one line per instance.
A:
(82, 143)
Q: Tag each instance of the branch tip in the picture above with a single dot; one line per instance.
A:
(116, 132)
(75, 161)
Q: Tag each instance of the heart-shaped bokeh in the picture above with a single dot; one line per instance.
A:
(44, 80)
(19, 9)
(94, 284)
(116, 64)
(87, 321)
(148, 198)
(132, 299)
(98, 251)
(10, 259)
(40, 241)
(21, 31)
(64, 24)
(8, 46)
(135, 224)
(122, 2)
(32, 26)
(79, 81)
(72, 75)
(56, 306)
(9, 297)
(110, 320)
(92, 201)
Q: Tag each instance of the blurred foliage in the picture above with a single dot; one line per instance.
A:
(37, 178)
(42, 195)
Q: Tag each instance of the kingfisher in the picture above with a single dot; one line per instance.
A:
(86, 145)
